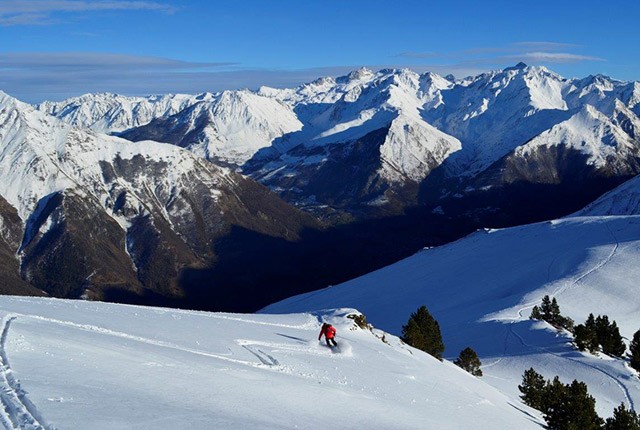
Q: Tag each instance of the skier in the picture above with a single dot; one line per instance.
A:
(329, 333)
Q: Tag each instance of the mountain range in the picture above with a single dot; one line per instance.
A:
(233, 200)
(395, 138)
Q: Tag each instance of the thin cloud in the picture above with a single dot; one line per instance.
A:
(72, 61)
(544, 46)
(42, 12)
(483, 58)
(411, 54)
(551, 57)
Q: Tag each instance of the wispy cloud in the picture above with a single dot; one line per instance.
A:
(411, 54)
(544, 46)
(73, 61)
(551, 57)
(43, 12)
(491, 57)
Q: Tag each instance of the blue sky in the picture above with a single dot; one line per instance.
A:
(56, 49)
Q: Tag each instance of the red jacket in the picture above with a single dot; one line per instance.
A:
(328, 331)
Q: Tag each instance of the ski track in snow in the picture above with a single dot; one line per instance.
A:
(17, 410)
(557, 292)
(265, 360)
(268, 364)
(613, 377)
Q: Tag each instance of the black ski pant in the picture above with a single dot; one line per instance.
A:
(331, 340)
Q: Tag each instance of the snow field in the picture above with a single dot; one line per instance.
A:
(96, 365)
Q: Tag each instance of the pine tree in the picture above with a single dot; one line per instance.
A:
(616, 345)
(602, 329)
(547, 308)
(590, 325)
(585, 338)
(535, 313)
(582, 407)
(623, 419)
(554, 404)
(422, 331)
(469, 361)
(549, 311)
(533, 389)
(634, 348)
(570, 407)
(608, 336)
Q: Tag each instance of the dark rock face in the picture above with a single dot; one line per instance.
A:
(10, 237)
(80, 254)
(73, 248)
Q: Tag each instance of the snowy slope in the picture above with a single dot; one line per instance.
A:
(78, 365)
(623, 200)
(482, 288)
(495, 112)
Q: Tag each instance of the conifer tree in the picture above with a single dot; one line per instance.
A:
(549, 309)
(590, 325)
(469, 361)
(535, 313)
(616, 345)
(634, 348)
(602, 330)
(570, 407)
(422, 331)
(623, 419)
(585, 338)
(533, 389)
(554, 404)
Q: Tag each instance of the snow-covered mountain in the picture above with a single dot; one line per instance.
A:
(229, 127)
(482, 288)
(91, 215)
(79, 365)
(397, 138)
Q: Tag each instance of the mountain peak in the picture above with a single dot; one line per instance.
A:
(518, 67)
(360, 73)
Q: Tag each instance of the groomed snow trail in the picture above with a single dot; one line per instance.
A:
(17, 410)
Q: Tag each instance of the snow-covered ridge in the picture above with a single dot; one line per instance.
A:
(73, 365)
(108, 113)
